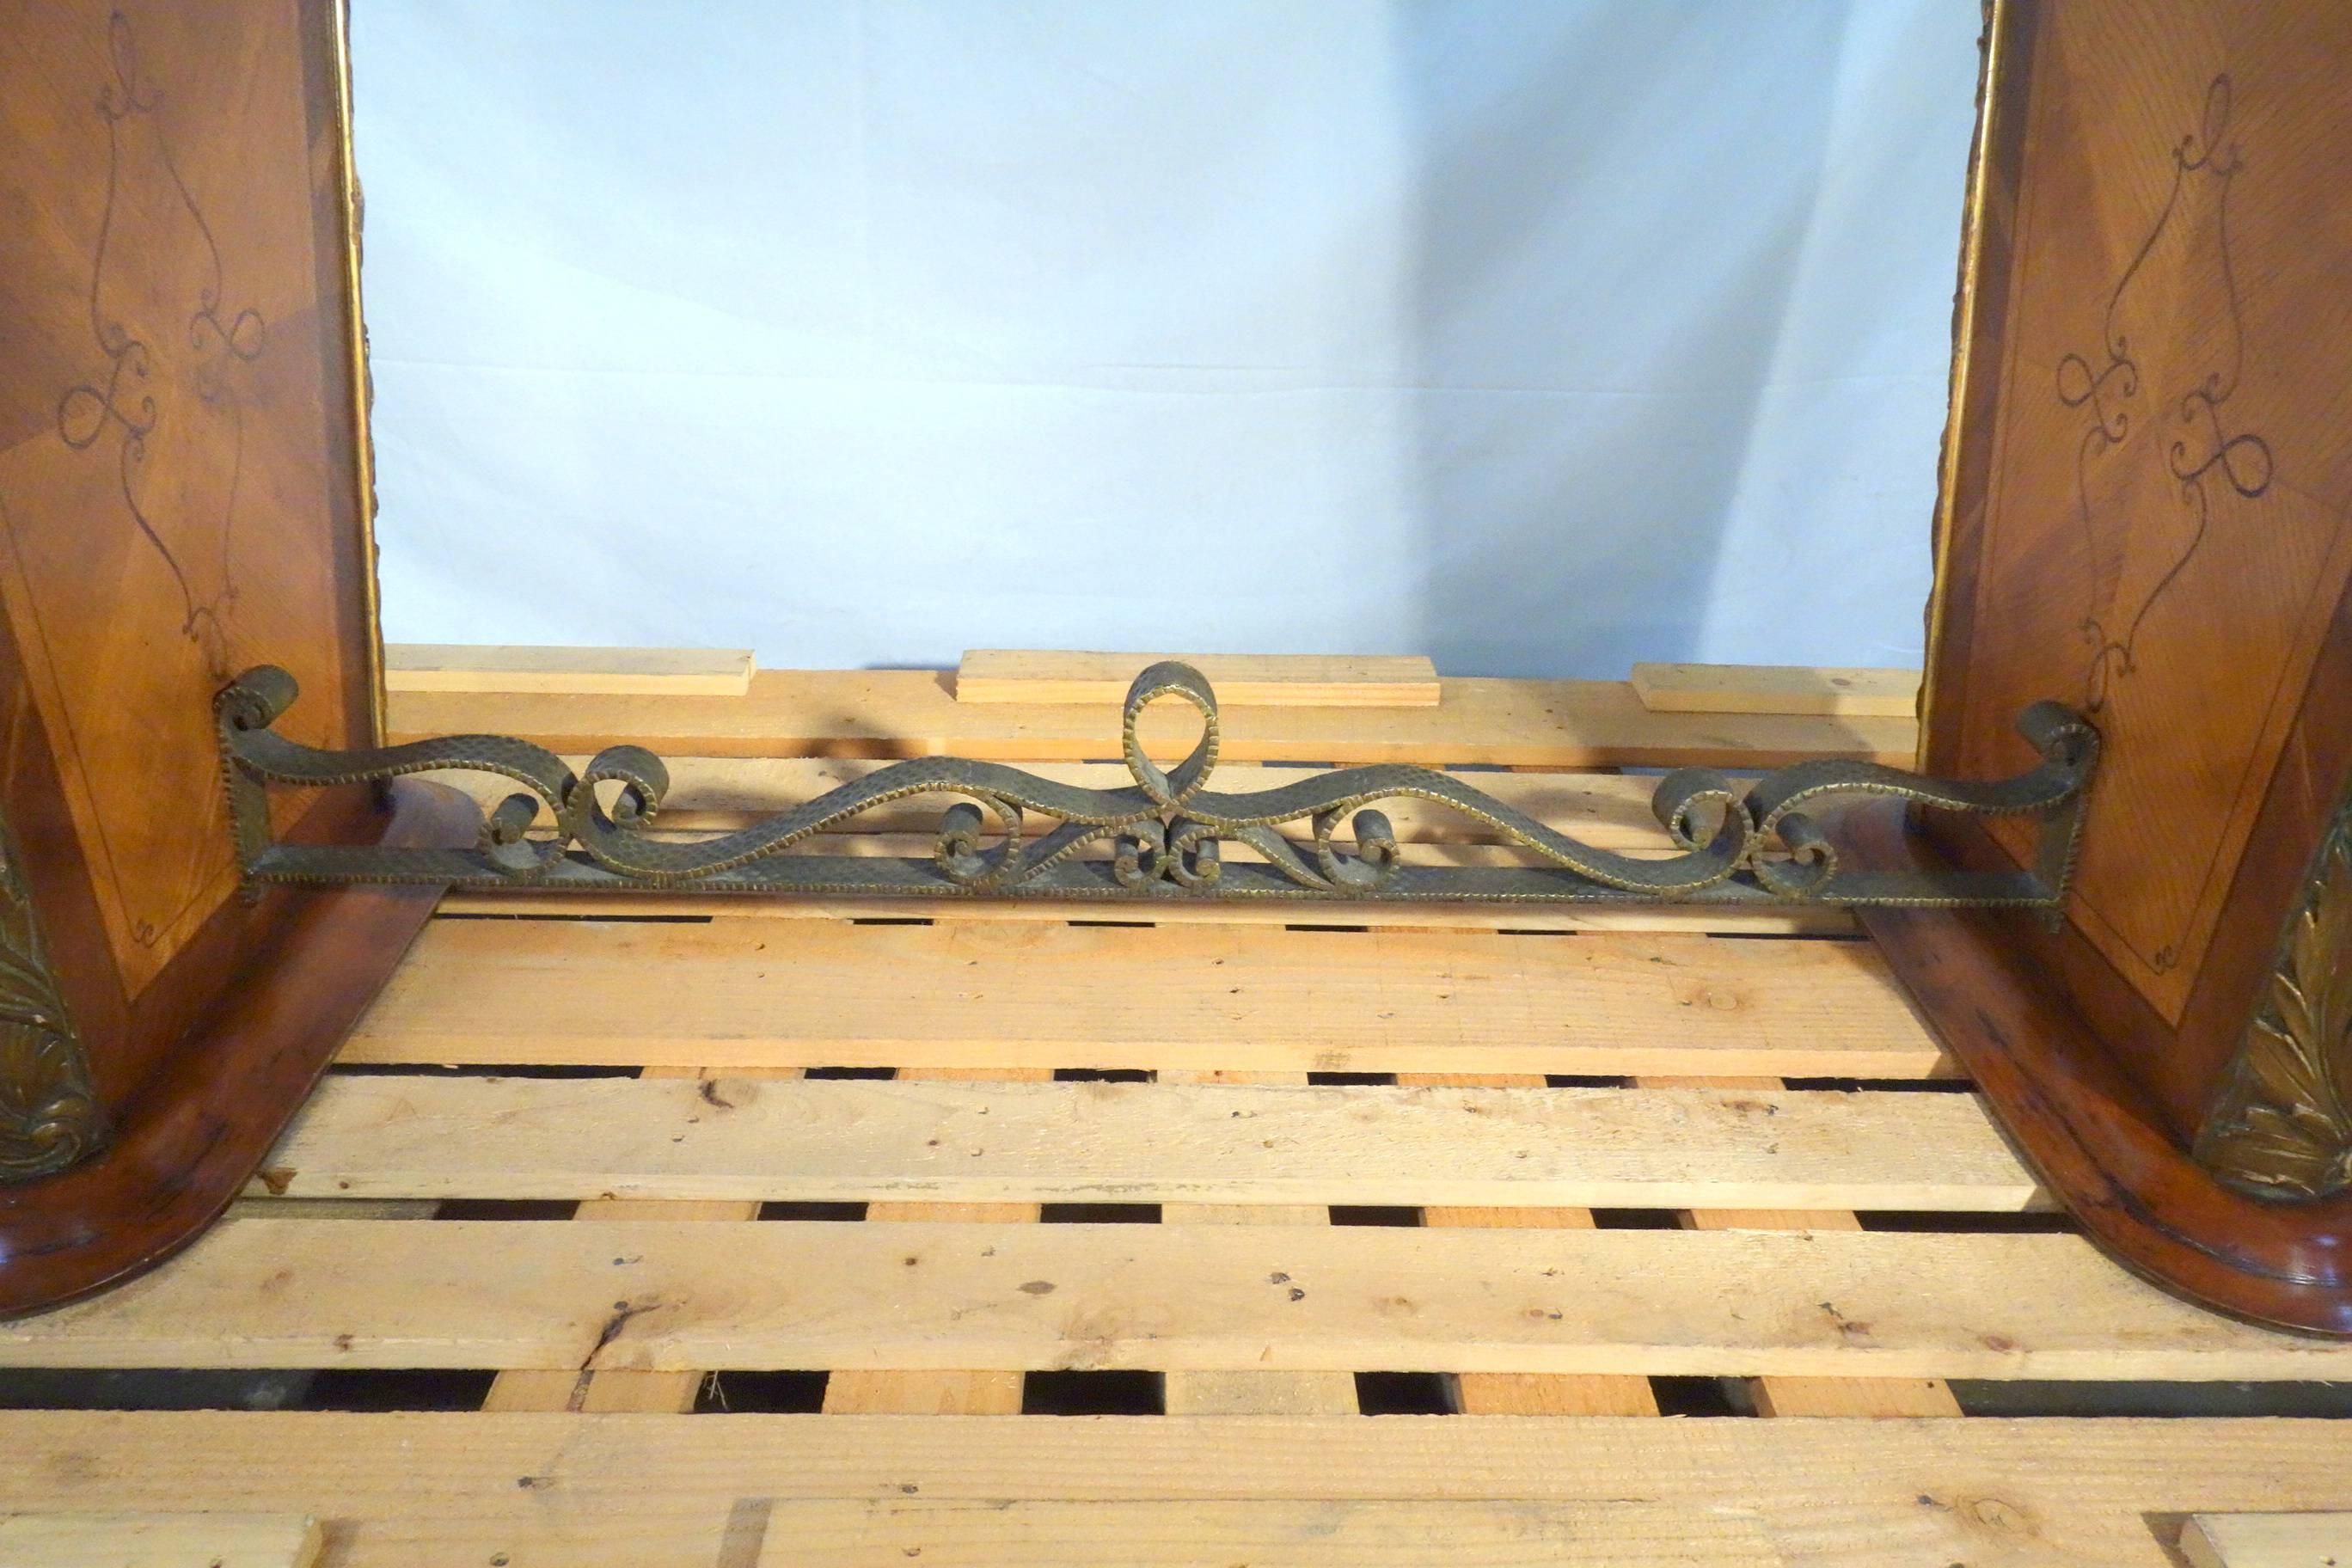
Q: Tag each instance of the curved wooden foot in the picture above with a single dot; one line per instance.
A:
(189, 1140)
(2094, 1141)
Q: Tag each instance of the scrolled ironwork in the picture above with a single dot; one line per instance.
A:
(1161, 836)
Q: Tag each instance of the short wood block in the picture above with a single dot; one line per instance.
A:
(1261, 680)
(2268, 1539)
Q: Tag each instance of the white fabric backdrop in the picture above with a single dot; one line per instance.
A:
(1538, 336)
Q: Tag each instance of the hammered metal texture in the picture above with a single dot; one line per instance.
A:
(1163, 832)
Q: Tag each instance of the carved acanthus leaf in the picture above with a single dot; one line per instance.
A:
(48, 1116)
(2283, 1125)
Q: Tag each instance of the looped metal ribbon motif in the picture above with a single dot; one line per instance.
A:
(1767, 844)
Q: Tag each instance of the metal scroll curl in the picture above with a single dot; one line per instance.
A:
(1163, 835)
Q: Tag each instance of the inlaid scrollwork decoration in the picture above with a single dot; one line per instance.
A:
(2282, 1125)
(1164, 835)
(48, 1116)
(2202, 443)
(206, 340)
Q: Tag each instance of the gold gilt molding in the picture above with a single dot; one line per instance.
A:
(2282, 1126)
(48, 1116)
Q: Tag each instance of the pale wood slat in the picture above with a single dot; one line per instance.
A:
(866, 1390)
(2268, 1541)
(1817, 1395)
(1242, 680)
(594, 1296)
(189, 1540)
(1254, 915)
(1251, 1393)
(807, 993)
(397, 1137)
(1875, 1396)
(637, 1393)
(890, 1532)
(897, 713)
(656, 1491)
(1520, 1393)
(1777, 689)
(467, 668)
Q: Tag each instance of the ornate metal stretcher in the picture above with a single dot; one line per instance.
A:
(1763, 845)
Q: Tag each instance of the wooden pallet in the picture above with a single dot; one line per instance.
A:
(714, 1232)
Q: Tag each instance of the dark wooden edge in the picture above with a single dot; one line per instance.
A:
(2100, 1145)
(188, 1141)
(1980, 327)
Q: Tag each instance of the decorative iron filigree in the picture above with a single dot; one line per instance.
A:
(1162, 834)
(48, 1116)
(2282, 1126)
(2205, 447)
(123, 399)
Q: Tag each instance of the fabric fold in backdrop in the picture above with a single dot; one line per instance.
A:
(1539, 337)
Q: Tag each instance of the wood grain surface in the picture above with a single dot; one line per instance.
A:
(2147, 514)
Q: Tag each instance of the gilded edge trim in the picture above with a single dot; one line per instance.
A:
(48, 1113)
(2281, 1126)
(362, 435)
(1999, 16)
